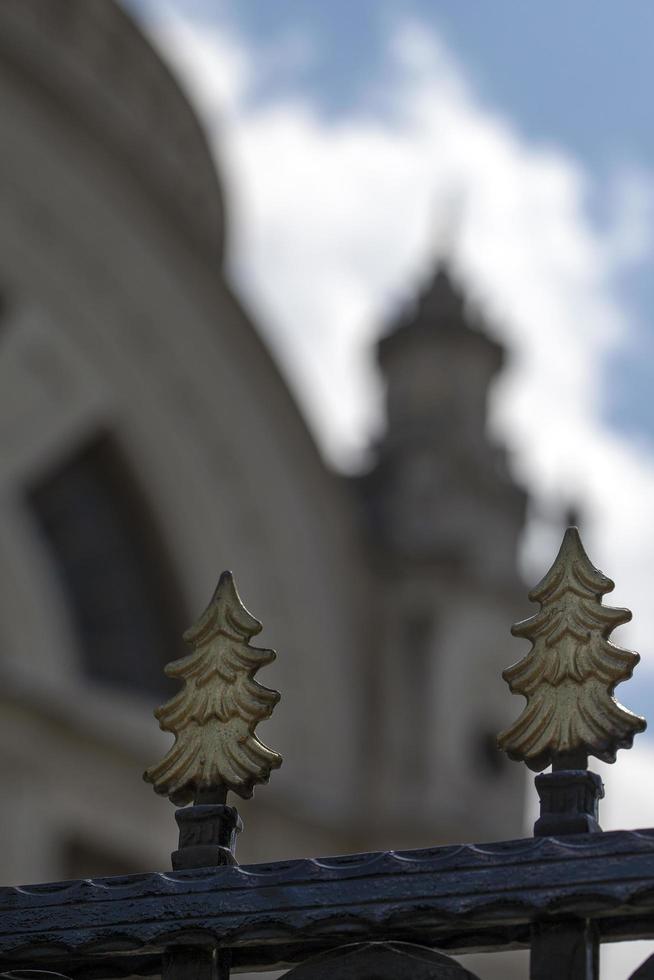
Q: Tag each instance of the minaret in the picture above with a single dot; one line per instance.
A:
(445, 518)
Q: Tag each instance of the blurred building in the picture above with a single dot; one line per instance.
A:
(148, 441)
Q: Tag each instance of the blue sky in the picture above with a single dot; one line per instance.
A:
(573, 73)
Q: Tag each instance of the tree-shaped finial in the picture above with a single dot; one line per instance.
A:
(570, 674)
(214, 716)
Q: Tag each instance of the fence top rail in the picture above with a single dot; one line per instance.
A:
(464, 898)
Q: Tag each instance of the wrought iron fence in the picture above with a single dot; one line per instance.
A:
(399, 914)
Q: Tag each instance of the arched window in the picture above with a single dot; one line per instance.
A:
(113, 567)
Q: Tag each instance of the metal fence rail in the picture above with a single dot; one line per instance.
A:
(368, 916)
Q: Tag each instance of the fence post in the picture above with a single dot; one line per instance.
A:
(213, 719)
(568, 679)
(567, 951)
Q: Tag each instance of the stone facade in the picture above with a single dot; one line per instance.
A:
(148, 441)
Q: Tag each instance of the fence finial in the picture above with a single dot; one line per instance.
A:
(570, 674)
(214, 716)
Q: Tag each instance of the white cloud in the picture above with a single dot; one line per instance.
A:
(334, 220)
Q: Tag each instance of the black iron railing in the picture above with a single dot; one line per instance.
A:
(394, 914)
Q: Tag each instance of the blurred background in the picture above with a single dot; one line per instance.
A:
(353, 299)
